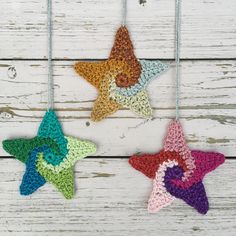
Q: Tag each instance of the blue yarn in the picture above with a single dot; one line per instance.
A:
(32, 180)
(150, 70)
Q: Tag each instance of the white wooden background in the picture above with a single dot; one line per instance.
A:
(111, 197)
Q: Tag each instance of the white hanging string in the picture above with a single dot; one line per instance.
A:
(124, 12)
(177, 53)
(49, 36)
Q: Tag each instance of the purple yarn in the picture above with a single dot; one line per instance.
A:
(194, 196)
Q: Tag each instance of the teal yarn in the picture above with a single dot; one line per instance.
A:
(53, 158)
(51, 127)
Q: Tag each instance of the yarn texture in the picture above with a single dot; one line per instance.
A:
(49, 157)
(177, 172)
(121, 80)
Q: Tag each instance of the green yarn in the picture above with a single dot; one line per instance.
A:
(63, 180)
(138, 103)
(20, 148)
(58, 175)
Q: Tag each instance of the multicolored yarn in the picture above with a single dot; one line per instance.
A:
(49, 157)
(121, 80)
(177, 172)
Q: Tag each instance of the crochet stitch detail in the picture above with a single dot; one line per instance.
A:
(150, 70)
(139, 103)
(175, 141)
(177, 172)
(121, 80)
(49, 157)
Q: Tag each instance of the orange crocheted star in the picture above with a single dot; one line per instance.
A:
(121, 79)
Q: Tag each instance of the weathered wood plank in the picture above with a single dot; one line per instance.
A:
(111, 199)
(204, 84)
(208, 103)
(85, 29)
(128, 135)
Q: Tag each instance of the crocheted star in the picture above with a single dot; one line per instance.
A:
(121, 80)
(49, 157)
(177, 172)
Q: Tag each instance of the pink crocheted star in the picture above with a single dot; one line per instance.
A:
(177, 172)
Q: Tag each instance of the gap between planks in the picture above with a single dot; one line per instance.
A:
(114, 157)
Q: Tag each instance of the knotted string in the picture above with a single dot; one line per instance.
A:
(177, 54)
(124, 12)
(49, 35)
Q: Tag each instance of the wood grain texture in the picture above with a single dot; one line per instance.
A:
(85, 28)
(111, 199)
(207, 107)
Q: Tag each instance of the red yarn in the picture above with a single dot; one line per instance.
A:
(148, 164)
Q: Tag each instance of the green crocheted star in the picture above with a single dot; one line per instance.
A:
(49, 157)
